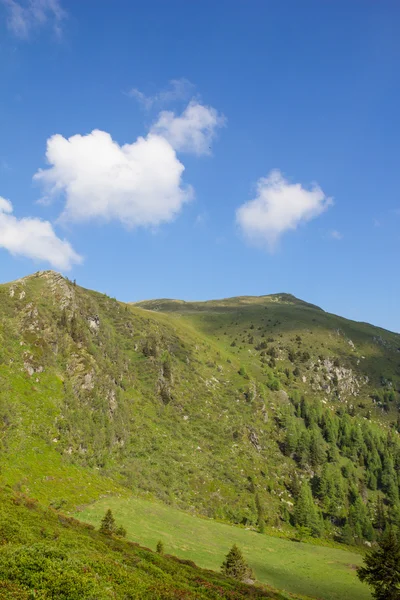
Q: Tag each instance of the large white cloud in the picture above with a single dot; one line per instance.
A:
(137, 184)
(193, 131)
(33, 238)
(27, 15)
(279, 206)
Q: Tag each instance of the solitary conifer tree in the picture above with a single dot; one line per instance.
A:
(382, 568)
(235, 565)
(120, 531)
(107, 526)
(160, 547)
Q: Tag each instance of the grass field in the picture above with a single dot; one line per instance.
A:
(315, 571)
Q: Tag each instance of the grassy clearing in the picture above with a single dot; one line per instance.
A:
(298, 568)
(46, 555)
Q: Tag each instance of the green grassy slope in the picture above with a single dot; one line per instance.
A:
(325, 573)
(102, 398)
(45, 555)
(370, 353)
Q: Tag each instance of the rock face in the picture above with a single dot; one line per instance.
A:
(253, 437)
(330, 377)
(63, 292)
(94, 322)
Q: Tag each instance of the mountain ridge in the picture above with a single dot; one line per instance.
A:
(215, 409)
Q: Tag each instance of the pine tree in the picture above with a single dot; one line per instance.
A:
(380, 515)
(347, 536)
(107, 526)
(317, 448)
(359, 520)
(120, 531)
(235, 565)
(382, 568)
(302, 532)
(306, 514)
(160, 547)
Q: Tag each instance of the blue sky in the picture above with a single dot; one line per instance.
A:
(199, 150)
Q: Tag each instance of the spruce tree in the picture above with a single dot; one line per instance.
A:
(235, 565)
(382, 568)
(120, 531)
(306, 514)
(160, 547)
(380, 515)
(107, 526)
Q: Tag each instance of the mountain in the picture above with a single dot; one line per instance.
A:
(253, 410)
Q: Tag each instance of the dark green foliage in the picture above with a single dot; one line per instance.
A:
(235, 565)
(306, 513)
(359, 521)
(167, 367)
(151, 346)
(160, 547)
(380, 521)
(120, 531)
(243, 372)
(381, 568)
(108, 526)
(302, 532)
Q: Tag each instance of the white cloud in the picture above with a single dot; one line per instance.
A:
(179, 89)
(279, 206)
(193, 131)
(23, 17)
(33, 238)
(336, 235)
(138, 184)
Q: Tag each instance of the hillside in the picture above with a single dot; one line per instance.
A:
(266, 412)
(299, 568)
(45, 555)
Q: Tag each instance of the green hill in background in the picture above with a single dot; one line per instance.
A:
(266, 412)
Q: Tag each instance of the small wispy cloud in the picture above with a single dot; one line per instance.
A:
(25, 17)
(336, 235)
(4, 166)
(193, 131)
(178, 89)
(201, 219)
